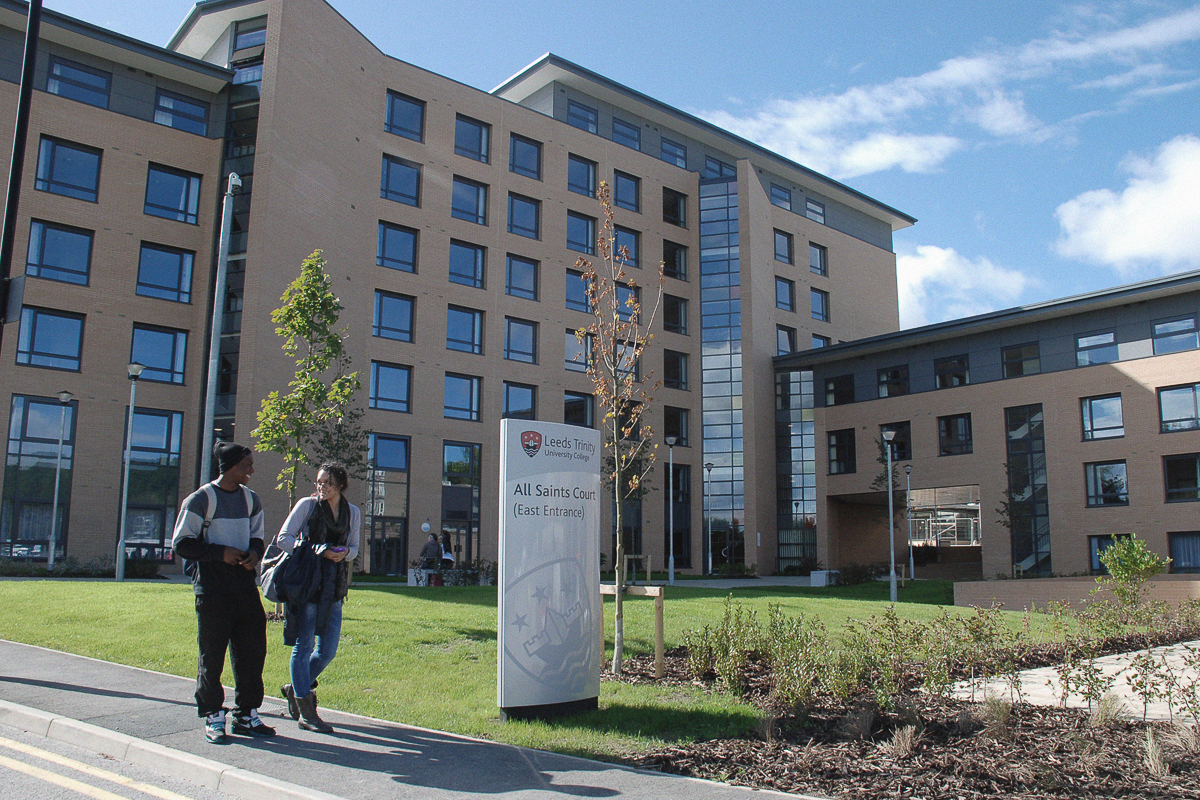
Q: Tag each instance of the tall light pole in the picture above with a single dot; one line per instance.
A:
(888, 436)
(64, 397)
(708, 465)
(671, 509)
(135, 370)
(218, 322)
(912, 572)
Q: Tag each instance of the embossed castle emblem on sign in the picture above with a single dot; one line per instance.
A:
(549, 624)
(531, 441)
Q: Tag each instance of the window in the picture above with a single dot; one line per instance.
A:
(628, 245)
(716, 168)
(1021, 359)
(464, 329)
(675, 207)
(1185, 551)
(785, 294)
(521, 277)
(839, 390)
(675, 369)
(397, 247)
(165, 272)
(578, 352)
(467, 262)
(785, 339)
(1096, 546)
(581, 233)
(577, 297)
(842, 458)
(1102, 417)
(405, 116)
(820, 304)
(783, 246)
(462, 397)
(68, 169)
(52, 339)
(524, 215)
(173, 194)
(153, 482)
(401, 181)
(34, 427)
(1173, 336)
(818, 259)
(393, 316)
(77, 82)
(579, 409)
(581, 175)
(820, 341)
(781, 197)
(674, 260)
(59, 253)
(471, 138)
(520, 340)
(1179, 408)
(954, 435)
(675, 314)
(1096, 348)
(673, 153)
(161, 350)
(675, 423)
(951, 371)
(525, 157)
(815, 211)
(627, 191)
(902, 442)
(626, 134)
(581, 116)
(893, 381)
(391, 387)
(520, 401)
(628, 300)
(388, 453)
(1182, 477)
(1107, 483)
(181, 113)
(250, 33)
(469, 201)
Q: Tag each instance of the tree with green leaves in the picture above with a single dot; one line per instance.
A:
(612, 347)
(318, 419)
(1131, 565)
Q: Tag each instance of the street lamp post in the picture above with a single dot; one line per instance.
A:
(671, 509)
(912, 572)
(708, 465)
(218, 322)
(64, 397)
(888, 436)
(135, 370)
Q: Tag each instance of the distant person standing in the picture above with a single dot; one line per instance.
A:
(220, 529)
(334, 527)
(447, 552)
(431, 553)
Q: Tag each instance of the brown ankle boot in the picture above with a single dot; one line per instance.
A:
(309, 720)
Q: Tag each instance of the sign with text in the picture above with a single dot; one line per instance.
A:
(550, 631)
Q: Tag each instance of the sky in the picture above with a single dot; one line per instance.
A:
(1046, 148)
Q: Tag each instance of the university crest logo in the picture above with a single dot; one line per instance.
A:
(531, 442)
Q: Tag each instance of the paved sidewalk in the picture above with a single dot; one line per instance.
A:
(149, 718)
(1042, 687)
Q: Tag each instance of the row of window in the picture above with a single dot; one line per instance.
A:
(818, 255)
(786, 341)
(93, 86)
(782, 196)
(54, 340)
(1167, 336)
(73, 170)
(785, 299)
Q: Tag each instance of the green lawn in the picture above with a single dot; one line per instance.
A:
(427, 657)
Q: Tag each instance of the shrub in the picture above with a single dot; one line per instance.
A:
(852, 574)
(1130, 566)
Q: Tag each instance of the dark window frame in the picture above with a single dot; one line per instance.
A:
(181, 291)
(472, 139)
(467, 413)
(516, 202)
(27, 336)
(519, 148)
(398, 123)
(188, 210)
(476, 278)
(51, 151)
(383, 253)
(1096, 493)
(953, 371)
(582, 116)
(403, 329)
(1088, 416)
(1017, 355)
(518, 284)
(76, 89)
(470, 340)
(399, 403)
(180, 117)
(395, 174)
(36, 264)
(511, 349)
(843, 458)
(955, 436)
(477, 214)
(175, 368)
(623, 185)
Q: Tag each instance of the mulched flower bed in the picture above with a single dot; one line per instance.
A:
(962, 751)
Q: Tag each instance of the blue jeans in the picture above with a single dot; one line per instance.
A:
(311, 653)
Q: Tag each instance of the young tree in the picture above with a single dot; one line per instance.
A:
(317, 419)
(612, 347)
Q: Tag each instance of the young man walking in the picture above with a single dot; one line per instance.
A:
(220, 529)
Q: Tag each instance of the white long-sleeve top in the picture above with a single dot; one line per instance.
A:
(293, 526)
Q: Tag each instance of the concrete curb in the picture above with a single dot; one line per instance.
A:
(231, 780)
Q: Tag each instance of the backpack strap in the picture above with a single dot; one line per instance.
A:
(211, 494)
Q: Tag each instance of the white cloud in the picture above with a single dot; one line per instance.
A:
(936, 284)
(912, 123)
(1152, 225)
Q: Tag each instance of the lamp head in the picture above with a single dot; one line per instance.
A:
(64, 397)
(671, 440)
(908, 469)
(135, 369)
(888, 435)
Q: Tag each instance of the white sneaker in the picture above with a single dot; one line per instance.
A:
(214, 727)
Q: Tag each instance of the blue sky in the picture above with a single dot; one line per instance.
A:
(1046, 148)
